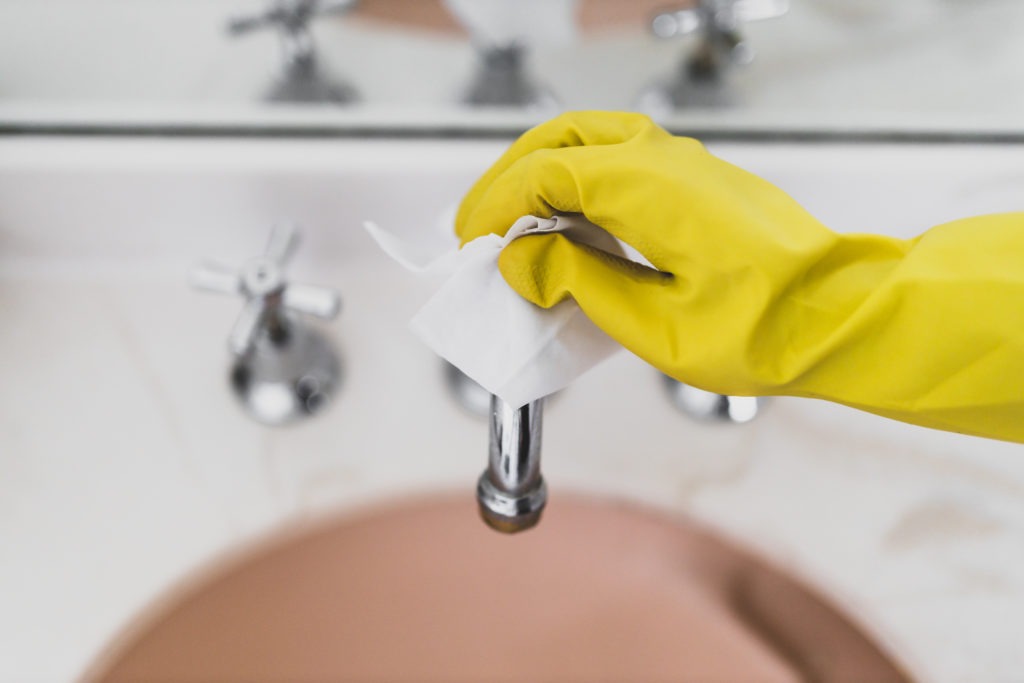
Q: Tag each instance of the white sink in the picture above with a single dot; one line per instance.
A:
(126, 464)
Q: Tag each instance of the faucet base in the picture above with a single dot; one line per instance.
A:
(507, 513)
(288, 377)
(502, 81)
(311, 88)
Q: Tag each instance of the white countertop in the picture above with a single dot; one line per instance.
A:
(124, 463)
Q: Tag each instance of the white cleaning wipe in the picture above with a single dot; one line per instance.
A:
(475, 321)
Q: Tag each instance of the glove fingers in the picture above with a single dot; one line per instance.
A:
(568, 130)
(623, 298)
(594, 181)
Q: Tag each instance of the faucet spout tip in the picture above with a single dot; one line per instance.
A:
(507, 513)
(506, 525)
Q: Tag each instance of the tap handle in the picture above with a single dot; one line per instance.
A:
(216, 277)
(320, 302)
(282, 243)
(261, 282)
(238, 26)
(248, 324)
(292, 15)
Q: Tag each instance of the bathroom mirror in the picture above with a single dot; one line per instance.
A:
(479, 67)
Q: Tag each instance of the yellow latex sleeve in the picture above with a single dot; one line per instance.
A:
(751, 295)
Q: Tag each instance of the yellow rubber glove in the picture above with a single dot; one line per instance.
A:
(751, 294)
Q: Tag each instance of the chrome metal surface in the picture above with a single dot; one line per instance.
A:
(716, 23)
(470, 396)
(711, 407)
(286, 377)
(302, 79)
(511, 492)
(502, 80)
(283, 370)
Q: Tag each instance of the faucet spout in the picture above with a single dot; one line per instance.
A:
(511, 491)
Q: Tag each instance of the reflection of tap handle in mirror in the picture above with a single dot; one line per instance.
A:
(292, 17)
(718, 23)
(301, 80)
(698, 81)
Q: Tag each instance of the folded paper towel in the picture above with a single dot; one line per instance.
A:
(476, 322)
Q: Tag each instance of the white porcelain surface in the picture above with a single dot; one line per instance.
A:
(125, 464)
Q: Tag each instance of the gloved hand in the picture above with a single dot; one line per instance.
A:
(751, 295)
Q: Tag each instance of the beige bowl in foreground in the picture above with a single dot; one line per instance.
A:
(598, 591)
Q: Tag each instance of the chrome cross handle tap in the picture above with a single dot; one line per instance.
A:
(511, 492)
(261, 282)
(283, 369)
(302, 80)
(718, 23)
(292, 19)
(502, 80)
(290, 14)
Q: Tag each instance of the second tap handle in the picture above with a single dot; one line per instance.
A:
(214, 277)
(238, 26)
(247, 326)
(317, 301)
(282, 243)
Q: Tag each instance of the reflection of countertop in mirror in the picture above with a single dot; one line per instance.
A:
(829, 63)
(126, 463)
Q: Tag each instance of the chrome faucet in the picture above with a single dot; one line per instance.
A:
(283, 369)
(706, 406)
(302, 79)
(470, 396)
(716, 23)
(511, 492)
(502, 80)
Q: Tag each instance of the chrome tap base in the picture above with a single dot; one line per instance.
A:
(502, 80)
(283, 368)
(305, 81)
(301, 80)
(469, 395)
(289, 374)
(706, 406)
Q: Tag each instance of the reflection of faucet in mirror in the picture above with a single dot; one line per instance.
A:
(503, 32)
(301, 79)
(501, 79)
(698, 82)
